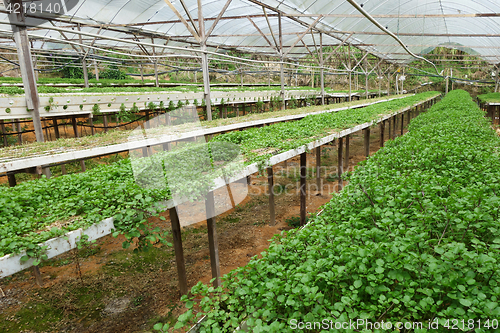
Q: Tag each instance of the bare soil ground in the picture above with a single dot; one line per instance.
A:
(121, 291)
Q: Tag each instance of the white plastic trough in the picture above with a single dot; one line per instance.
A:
(13, 164)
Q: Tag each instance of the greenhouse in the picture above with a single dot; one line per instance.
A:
(247, 165)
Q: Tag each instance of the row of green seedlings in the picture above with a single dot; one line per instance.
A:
(275, 101)
(412, 241)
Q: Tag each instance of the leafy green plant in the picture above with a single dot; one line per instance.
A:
(7, 110)
(161, 327)
(413, 235)
(96, 109)
(259, 104)
(151, 106)
(134, 108)
(51, 105)
(294, 221)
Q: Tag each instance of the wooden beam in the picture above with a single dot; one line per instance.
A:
(340, 160)
(272, 208)
(318, 168)
(179, 252)
(183, 20)
(322, 71)
(366, 132)
(77, 135)
(402, 122)
(204, 62)
(302, 35)
(346, 156)
(38, 276)
(213, 243)
(84, 63)
(26, 66)
(282, 57)
(335, 50)
(263, 35)
(303, 175)
(271, 29)
(12, 179)
(221, 13)
(155, 62)
(382, 127)
(189, 16)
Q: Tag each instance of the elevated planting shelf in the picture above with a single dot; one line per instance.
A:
(82, 104)
(11, 263)
(64, 155)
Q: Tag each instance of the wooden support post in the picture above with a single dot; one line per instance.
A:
(393, 127)
(75, 127)
(142, 73)
(38, 276)
(26, 66)
(84, 61)
(167, 145)
(12, 179)
(213, 244)
(270, 183)
(447, 83)
(204, 62)
(322, 71)
(56, 128)
(388, 84)
(19, 131)
(155, 62)
(340, 159)
(77, 135)
(318, 168)
(367, 141)
(365, 70)
(303, 175)
(350, 72)
(58, 135)
(346, 157)
(379, 80)
(282, 69)
(402, 122)
(96, 68)
(382, 127)
(91, 120)
(105, 122)
(4, 133)
(179, 252)
(390, 130)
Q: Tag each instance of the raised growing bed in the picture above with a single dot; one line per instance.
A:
(85, 103)
(32, 155)
(413, 238)
(122, 192)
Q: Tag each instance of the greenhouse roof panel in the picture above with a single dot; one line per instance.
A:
(421, 25)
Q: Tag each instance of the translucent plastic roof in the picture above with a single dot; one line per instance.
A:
(422, 25)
